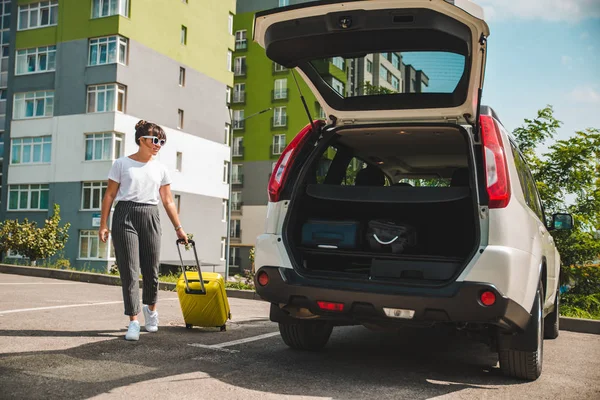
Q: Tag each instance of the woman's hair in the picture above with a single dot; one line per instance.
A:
(145, 128)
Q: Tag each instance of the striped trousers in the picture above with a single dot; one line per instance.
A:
(136, 234)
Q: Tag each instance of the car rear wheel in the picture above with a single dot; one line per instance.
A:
(552, 320)
(521, 354)
(305, 335)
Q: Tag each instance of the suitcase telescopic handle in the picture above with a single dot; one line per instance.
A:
(187, 285)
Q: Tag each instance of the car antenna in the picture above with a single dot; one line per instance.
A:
(310, 120)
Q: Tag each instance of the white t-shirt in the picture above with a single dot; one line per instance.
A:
(139, 182)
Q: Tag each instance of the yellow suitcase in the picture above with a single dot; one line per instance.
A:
(202, 297)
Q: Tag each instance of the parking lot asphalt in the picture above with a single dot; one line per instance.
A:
(64, 340)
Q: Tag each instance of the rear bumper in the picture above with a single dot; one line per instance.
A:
(364, 302)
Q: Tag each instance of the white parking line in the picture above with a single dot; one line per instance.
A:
(65, 306)
(221, 346)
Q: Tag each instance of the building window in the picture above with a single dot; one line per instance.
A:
(279, 116)
(280, 91)
(28, 197)
(3, 94)
(239, 93)
(227, 134)
(224, 210)
(31, 150)
(178, 161)
(38, 15)
(226, 172)
(108, 50)
(223, 248)
(106, 98)
(238, 146)
(237, 178)
(395, 61)
(278, 144)
(179, 119)
(228, 96)
(338, 62)
(40, 59)
(183, 34)
(92, 195)
(235, 228)
(395, 83)
(103, 146)
(337, 85)
(236, 201)
(181, 76)
(370, 66)
(90, 247)
(238, 119)
(34, 105)
(177, 199)
(239, 68)
(107, 8)
(279, 67)
(283, 3)
(241, 43)
(230, 24)
(229, 57)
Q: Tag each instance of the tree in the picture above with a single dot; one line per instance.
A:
(370, 89)
(32, 242)
(568, 180)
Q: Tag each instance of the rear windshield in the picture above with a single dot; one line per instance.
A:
(392, 73)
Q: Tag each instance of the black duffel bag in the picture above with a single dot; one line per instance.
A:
(390, 236)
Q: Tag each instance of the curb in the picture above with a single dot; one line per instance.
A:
(103, 279)
(566, 323)
(580, 325)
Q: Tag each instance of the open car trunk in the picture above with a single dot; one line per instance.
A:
(393, 204)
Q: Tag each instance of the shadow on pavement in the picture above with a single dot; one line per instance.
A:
(357, 363)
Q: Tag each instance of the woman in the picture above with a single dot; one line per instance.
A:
(135, 182)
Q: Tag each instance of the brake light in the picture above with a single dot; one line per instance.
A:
(496, 171)
(262, 278)
(284, 164)
(488, 298)
(329, 306)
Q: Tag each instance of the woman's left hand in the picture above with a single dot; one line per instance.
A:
(182, 235)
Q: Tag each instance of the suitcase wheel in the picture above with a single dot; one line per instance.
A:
(223, 328)
(189, 326)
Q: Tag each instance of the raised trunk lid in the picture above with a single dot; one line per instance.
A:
(383, 60)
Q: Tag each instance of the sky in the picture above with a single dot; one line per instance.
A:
(544, 52)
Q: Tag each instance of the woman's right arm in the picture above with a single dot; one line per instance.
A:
(107, 202)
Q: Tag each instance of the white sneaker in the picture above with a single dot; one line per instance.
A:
(133, 332)
(150, 319)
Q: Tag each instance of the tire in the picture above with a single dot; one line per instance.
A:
(521, 354)
(552, 320)
(305, 335)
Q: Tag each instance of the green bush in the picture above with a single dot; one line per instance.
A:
(582, 300)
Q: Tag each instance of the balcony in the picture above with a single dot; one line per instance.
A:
(239, 125)
(238, 151)
(241, 45)
(235, 233)
(279, 94)
(237, 179)
(239, 98)
(279, 122)
(240, 71)
(236, 206)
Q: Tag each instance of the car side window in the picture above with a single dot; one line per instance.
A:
(527, 183)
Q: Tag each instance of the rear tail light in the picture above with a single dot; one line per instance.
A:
(328, 306)
(284, 164)
(262, 278)
(496, 171)
(487, 298)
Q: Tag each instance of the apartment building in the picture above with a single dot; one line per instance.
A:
(81, 73)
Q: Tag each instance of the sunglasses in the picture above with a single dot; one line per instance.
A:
(156, 140)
